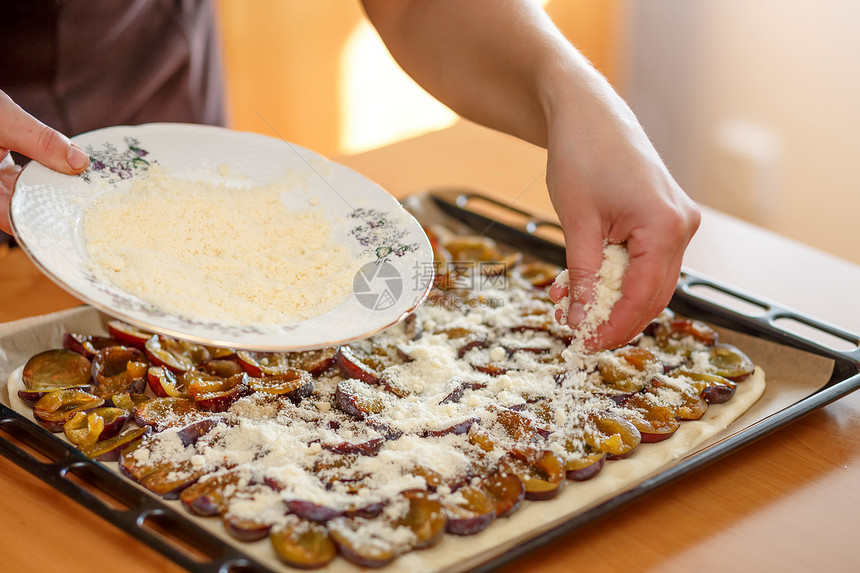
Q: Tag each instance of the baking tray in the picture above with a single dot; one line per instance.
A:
(170, 532)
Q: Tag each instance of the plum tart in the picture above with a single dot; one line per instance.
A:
(440, 426)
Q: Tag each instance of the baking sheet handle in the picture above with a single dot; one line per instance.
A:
(524, 229)
(115, 499)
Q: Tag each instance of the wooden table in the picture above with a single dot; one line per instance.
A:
(789, 502)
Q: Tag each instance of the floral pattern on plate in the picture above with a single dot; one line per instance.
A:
(377, 233)
(110, 163)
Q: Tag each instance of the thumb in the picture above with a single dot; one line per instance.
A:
(8, 173)
(584, 254)
(21, 132)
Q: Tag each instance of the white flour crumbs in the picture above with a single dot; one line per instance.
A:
(462, 394)
(607, 291)
(211, 252)
(563, 304)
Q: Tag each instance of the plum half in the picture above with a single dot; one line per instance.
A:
(246, 529)
(57, 369)
(469, 510)
(119, 370)
(164, 383)
(730, 362)
(212, 496)
(128, 335)
(259, 364)
(506, 490)
(352, 365)
(539, 274)
(109, 450)
(612, 434)
(303, 544)
(88, 345)
(712, 388)
(369, 543)
(87, 428)
(161, 477)
(291, 383)
(425, 517)
(655, 423)
(166, 412)
(214, 393)
(55, 408)
(541, 471)
(358, 399)
(176, 355)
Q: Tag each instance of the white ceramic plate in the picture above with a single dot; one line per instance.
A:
(47, 213)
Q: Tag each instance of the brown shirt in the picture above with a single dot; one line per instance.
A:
(79, 65)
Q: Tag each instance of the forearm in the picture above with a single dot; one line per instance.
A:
(502, 63)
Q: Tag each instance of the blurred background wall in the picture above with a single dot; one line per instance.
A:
(318, 74)
(753, 104)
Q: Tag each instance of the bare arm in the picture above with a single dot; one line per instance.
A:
(504, 64)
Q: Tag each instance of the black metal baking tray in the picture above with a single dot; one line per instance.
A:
(166, 530)
(844, 379)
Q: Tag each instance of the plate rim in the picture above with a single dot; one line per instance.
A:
(154, 327)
